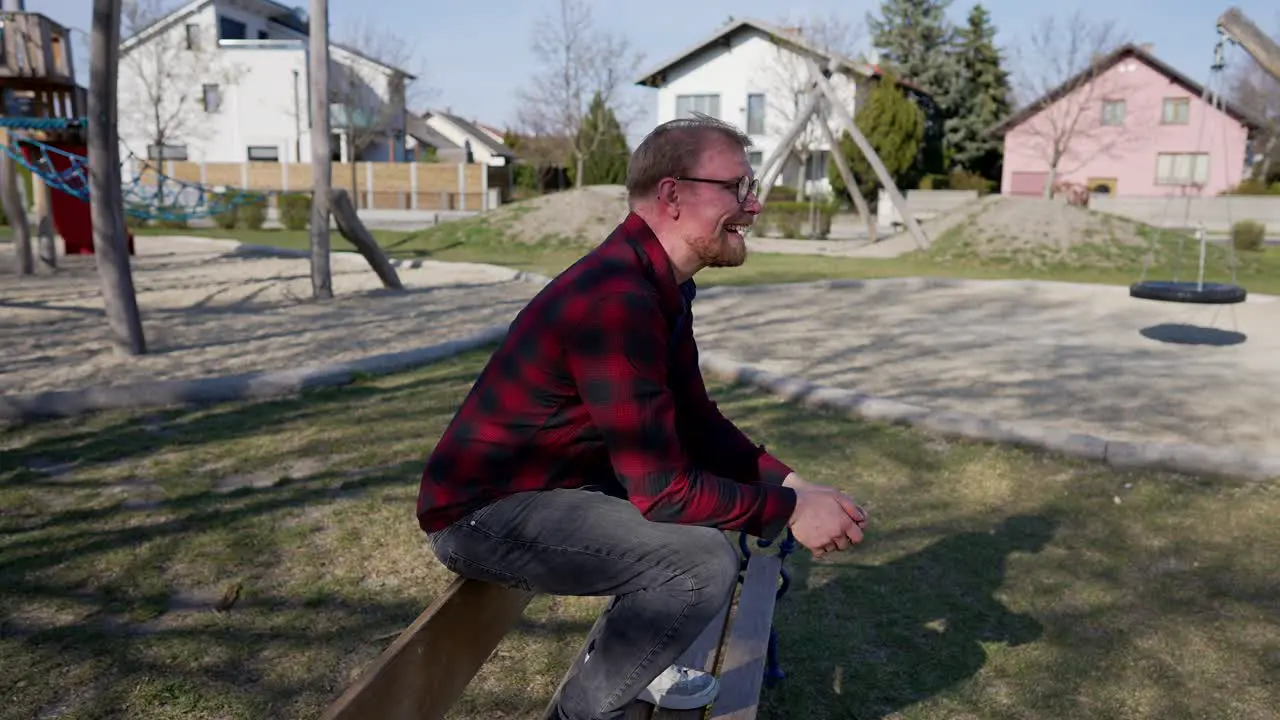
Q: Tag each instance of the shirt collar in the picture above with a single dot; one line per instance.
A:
(674, 298)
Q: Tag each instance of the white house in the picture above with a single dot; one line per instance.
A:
(227, 81)
(450, 137)
(753, 74)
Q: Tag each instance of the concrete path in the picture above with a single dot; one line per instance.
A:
(1078, 357)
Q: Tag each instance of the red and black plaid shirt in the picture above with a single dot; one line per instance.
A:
(587, 387)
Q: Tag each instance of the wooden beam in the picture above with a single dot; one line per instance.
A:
(16, 214)
(428, 666)
(846, 174)
(746, 646)
(344, 212)
(106, 199)
(846, 119)
(321, 158)
(1246, 34)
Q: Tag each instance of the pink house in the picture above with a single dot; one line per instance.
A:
(1129, 125)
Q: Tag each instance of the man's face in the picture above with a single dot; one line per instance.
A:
(712, 219)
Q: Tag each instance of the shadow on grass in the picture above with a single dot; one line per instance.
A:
(868, 641)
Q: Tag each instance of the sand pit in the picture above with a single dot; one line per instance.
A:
(208, 312)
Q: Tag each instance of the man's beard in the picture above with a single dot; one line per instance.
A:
(721, 250)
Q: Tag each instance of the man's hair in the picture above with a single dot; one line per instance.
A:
(674, 148)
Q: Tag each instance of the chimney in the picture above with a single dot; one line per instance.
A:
(1147, 48)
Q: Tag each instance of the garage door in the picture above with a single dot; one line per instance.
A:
(1027, 183)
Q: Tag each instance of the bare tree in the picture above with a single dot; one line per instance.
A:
(371, 100)
(1061, 75)
(577, 61)
(1257, 91)
(787, 82)
(172, 80)
(106, 198)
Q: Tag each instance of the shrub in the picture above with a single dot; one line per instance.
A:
(962, 180)
(793, 219)
(1248, 235)
(295, 210)
(225, 218)
(1250, 186)
(935, 182)
(782, 193)
(252, 210)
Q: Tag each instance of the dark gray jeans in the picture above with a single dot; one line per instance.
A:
(668, 580)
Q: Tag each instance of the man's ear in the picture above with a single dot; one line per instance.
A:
(669, 197)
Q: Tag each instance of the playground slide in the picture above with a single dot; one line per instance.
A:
(71, 218)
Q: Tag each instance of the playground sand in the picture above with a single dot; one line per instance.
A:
(207, 312)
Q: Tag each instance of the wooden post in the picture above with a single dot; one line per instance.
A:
(846, 119)
(46, 246)
(1241, 29)
(846, 174)
(106, 199)
(16, 214)
(321, 167)
(778, 158)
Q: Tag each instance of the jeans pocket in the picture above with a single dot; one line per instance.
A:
(479, 571)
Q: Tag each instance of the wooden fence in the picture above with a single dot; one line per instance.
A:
(378, 185)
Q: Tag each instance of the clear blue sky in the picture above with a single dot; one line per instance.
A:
(475, 55)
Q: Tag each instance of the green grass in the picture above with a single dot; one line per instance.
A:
(994, 582)
(482, 239)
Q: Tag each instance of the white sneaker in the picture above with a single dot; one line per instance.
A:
(681, 688)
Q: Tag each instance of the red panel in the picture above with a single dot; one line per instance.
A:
(71, 217)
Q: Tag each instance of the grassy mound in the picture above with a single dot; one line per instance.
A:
(1046, 235)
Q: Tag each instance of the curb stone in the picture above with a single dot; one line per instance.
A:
(1189, 458)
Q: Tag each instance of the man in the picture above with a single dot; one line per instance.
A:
(588, 460)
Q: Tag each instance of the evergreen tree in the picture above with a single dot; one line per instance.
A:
(894, 127)
(915, 39)
(985, 99)
(606, 148)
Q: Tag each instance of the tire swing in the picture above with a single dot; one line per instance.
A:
(1197, 291)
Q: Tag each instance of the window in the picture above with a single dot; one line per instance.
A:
(816, 168)
(229, 29)
(1113, 112)
(755, 114)
(264, 153)
(756, 158)
(212, 98)
(166, 152)
(1177, 111)
(1182, 168)
(687, 105)
(193, 36)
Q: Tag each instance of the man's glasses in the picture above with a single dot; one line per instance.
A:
(744, 185)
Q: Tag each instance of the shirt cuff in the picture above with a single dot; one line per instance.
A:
(772, 470)
(779, 504)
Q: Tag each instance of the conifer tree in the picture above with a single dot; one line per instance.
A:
(894, 127)
(984, 101)
(915, 39)
(607, 153)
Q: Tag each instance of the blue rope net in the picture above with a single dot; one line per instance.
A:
(167, 199)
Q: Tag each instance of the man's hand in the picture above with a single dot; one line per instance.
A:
(825, 519)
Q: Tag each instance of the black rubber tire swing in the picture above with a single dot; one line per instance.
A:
(1188, 292)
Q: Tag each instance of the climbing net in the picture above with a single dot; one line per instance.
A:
(148, 194)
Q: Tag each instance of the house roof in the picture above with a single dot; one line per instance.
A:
(656, 76)
(474, 132)
(1124, 51)
(276, 12)
(418, 128)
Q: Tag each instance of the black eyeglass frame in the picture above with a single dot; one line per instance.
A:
(744, 186)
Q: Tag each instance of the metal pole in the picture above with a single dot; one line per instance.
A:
(1203, 242)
